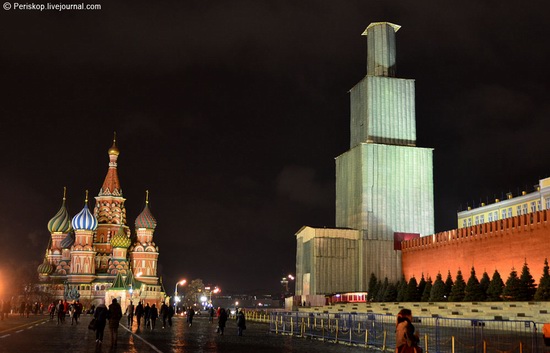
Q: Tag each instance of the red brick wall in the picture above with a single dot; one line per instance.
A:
(500, 245)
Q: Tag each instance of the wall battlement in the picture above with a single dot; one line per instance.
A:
(518, 224)
(500, 245)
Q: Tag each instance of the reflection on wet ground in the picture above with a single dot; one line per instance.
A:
(37, 335)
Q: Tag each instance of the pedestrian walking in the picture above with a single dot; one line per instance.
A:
(100, 316)
(130, 313)
(154, 314)
(190, 314)
(147, 314)
(241, 322)
(406, 340)
(51, 310)
(115, 314)
(60, 312)
(164, 314)
(77, 312)
(222, 319)
(171, 312)
(139, 313)
(211, 313)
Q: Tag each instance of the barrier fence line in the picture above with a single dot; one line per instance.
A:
(440, 335)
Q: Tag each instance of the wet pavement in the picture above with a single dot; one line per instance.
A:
(39, 334)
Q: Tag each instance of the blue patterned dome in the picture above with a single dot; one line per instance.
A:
(68, 241)
(84, 220)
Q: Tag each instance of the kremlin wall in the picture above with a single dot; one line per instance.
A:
(499, 245)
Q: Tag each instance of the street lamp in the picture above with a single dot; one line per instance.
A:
(182, 282)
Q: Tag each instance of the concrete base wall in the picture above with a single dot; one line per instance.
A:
(538, 312)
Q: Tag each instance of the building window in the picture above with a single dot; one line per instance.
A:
(469, 222)
(518, 211)
(496, 216)
(548, 204)
(525, 209)
(477, 220)
(503, 214)
(490, 217)
(539, 205)
(533, 209)
(463, 223)
(481, 219)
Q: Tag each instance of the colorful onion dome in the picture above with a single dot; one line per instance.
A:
(68, 241)
(61, 222)
(145, 218)
(45, 268)
(114, 149)
(84, 220)
(120, 240)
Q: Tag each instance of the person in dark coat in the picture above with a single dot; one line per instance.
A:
(139, 313)
(164, 314)
(211, 313)
(115, 314)
(190, 314)
(100, 316)
(405, 337)
(241, 322)
(147, 314)
(60, 312)
(222, 319)
(154, 314)
(77, 311)
(130, 313)
(171, 312)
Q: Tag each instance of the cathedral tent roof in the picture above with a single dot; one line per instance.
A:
(111, 184)
(118, 283)
(132, 282)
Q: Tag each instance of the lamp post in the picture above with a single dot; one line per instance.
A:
(182, 282)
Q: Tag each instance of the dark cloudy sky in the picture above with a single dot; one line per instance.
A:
(231, 114)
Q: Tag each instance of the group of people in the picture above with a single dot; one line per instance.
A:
(62, 308)
(150, 314)
(223, 315)
(101, 315)
(5, 309)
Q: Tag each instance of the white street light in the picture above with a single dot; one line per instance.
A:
(182, 282)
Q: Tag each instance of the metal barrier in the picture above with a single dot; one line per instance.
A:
(439, 335)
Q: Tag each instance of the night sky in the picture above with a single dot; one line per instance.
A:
(231, 114)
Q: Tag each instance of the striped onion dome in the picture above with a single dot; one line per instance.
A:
(120, 240)
(45, 268)
(145, 218)
(61, 222)
(84, 220)
(68, 241)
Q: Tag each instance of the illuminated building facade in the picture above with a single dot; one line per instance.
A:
(384, 183)
(94, 257)
(510, 207)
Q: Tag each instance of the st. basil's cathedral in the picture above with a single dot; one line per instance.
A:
(94, 257)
